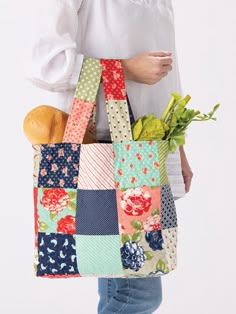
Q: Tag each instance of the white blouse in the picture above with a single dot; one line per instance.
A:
(68, 30)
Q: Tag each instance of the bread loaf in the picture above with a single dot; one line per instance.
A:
(46, 124)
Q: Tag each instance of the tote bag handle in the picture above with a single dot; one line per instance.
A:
(119, 115)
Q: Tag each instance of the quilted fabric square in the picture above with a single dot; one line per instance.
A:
(136, 164)
(96, 212)
(119, 120)
(99, 255)
(56, 254)
(96, 167)
(170, 237)
(56, 209)
(168, 209)
(59, 165)
(78, 120)
(143, 253)
(139, 208)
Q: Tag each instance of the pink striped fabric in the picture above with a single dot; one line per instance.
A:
(96, 170)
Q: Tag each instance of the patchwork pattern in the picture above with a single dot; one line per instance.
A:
(119, 120)
(113, 79)
(59, 165)
(56, 254)
(136, 164)
(56, 210)
(89, 80)
(101, 255)
(138, 207)
(103, 210)
(96, 167)
(78, 121)
(163, 149)
(96, 213)
(168, 210)
(170, 237)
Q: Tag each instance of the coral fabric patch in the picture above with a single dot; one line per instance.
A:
(139, 208)
(56, 210)
(136, 164)
(113, 79)
(96, 167)
(119, 120)
(168, 209)
(59, 165)
(99, 255)
(78, 120)
(56, 254)
(96, 212)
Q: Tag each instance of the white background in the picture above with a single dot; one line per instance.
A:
(204, 282)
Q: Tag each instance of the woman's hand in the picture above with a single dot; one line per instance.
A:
(186, 169)
(148, 68)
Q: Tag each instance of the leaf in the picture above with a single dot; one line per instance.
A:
(162, 266)
(180, 139)
(155, 212)
(137, 236)
(137, 224)
(136, 129)
(126, 237)
(71, 205)
(72, 195)
(53, 216)
(43, 226)
(172, 145)
(149, 255)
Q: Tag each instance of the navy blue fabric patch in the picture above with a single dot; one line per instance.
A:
(59, 165)
(96, 212)
(56, 254)
(168, 209)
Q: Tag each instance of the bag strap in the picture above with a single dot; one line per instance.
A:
(84, 100)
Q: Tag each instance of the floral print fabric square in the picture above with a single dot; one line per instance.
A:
(136, 164)
(139, 208)
(59, 165)
(56, 208)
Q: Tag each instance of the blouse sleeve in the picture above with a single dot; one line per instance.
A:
(54, 63)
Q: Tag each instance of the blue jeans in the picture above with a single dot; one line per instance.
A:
(129, 296)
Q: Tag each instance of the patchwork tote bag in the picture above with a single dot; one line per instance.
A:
(103, 209)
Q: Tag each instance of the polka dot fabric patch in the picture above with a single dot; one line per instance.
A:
(59, 166)
(119, 120)
(78, 121)
(170, 237)
(89, 80)
(136, 164)
(113, 79)
(168, 210)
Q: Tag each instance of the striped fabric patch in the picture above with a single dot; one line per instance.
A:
(163, 153)
(96, 167)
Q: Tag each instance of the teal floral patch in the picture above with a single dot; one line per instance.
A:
(136, 164)
(56, 210)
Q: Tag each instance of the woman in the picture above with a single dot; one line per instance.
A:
(141, 33)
